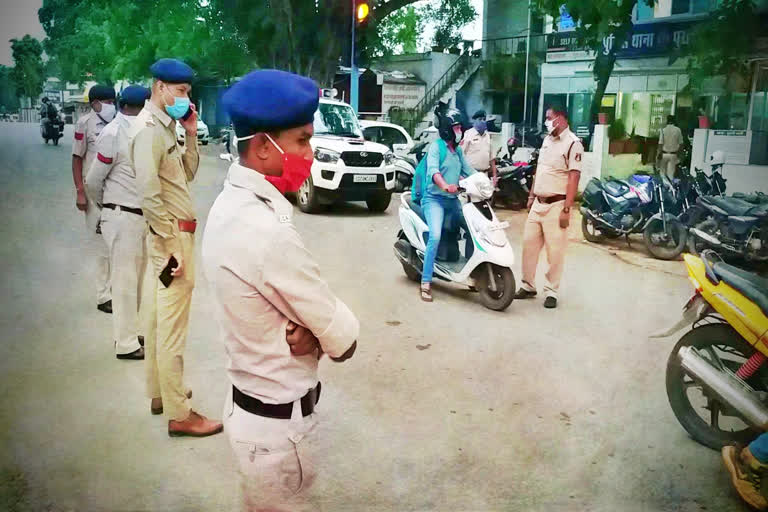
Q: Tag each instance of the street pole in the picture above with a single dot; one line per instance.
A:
(527, 56)
(354, 72)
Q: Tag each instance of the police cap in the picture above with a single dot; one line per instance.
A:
(101, 92)
(478, 114)
(172, 71)
(268, 100)
(134, 95)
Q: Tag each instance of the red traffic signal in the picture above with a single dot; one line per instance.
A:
(362, 10)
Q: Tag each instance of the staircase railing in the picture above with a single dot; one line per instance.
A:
(409, 118)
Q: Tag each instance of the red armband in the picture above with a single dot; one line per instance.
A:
(79, 136)
(103, 159)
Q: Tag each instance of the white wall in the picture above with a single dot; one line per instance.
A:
(746, 178)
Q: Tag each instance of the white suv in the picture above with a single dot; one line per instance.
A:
(346, 166)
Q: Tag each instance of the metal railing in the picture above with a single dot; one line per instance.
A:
(409, 118)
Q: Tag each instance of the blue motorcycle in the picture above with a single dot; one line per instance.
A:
(641, 204)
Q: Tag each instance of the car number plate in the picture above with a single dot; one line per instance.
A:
(364, 178)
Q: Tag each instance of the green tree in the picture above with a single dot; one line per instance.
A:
(9, 100)
(595, 21)
(28, 71)
(400, 32)
(449, 18)
(719, 46)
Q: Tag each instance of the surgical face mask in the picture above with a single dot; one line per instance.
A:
(296, 169)
(107, 112)
(550, 125)
(481, 126)
(179, 108)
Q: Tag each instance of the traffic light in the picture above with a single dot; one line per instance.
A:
(362, 12)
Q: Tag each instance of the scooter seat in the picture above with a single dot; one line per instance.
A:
(417, 209)
(751, 285)
(732, 205)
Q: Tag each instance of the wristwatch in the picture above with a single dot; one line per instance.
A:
(566, 209)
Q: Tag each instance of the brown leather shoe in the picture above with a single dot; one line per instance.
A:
(196, 425)
(156, 405)
(746, 475)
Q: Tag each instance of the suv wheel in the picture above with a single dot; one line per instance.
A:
(379, 202)
(307, 197)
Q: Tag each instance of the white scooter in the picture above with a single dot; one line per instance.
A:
(488, 269)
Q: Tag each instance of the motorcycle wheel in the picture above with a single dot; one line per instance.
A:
(665, 246)
(695, 244)
(590, 231)
(505, 287)
(720, 344)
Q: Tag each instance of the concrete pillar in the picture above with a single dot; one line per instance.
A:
(600, 144)
(699, 148)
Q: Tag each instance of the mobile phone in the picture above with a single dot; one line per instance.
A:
(165, 276)
(186, 116)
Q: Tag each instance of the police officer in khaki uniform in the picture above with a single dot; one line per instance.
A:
(163, 173)
(87, 130)
(478, 148)
(263, 282)
(111, 184)
(550, 202)
(670, 142)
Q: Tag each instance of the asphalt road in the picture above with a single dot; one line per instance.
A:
(446, 406)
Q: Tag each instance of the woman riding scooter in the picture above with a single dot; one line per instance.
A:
(440, 201)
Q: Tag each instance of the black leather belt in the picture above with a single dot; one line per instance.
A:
(112, 206)
(551, 199)
(669, 152)
(277, 411)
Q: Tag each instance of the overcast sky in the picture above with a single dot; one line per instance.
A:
(19, 17)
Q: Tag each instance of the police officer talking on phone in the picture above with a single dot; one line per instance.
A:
(163, 173)
(263, 281)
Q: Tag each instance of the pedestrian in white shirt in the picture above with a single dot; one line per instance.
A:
(111, 184)
(263, 282)
(670, 142)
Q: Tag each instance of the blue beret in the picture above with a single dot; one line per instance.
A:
(101, 92)
(268, 99)
(135, 95)
(173, 71)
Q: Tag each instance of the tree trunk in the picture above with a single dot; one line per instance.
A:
(602, 71)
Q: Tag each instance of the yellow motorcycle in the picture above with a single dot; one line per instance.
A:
(717, 379)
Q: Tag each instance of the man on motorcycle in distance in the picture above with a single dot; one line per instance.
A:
(747, 467)
(445, 165)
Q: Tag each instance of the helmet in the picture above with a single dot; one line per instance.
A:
(445, 120)
(717, 158)
(45, 100)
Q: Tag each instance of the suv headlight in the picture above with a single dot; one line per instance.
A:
(326, 156)
(389, 157)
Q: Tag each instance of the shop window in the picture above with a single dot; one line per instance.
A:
(666, 8)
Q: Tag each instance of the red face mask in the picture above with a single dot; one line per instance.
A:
(296, 170)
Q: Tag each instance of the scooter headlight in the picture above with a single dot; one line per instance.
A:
(326, 156)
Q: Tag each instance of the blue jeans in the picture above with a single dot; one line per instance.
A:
(759, 448)
(437, 210)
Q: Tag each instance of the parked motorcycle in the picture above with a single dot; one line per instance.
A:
(717, 379)
(488, 269)
(515, 182)
(732, 227)
(615, 208)
(52, 129)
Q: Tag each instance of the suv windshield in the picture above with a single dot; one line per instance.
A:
(331, 119)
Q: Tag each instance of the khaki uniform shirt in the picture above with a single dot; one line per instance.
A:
(87, 131)
(557, 157)
(670, 139)
(261, 276)
(477, 149)
(163, 173)
(111, 177)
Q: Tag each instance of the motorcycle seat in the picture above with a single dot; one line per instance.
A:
(732, 205)
(754, 287)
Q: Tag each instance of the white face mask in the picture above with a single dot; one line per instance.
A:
(107, 112)
(550, 125)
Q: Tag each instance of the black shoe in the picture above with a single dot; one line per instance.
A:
(522, 293)
(136, 355)
(105, 307)
(550, 303)
(141, 340)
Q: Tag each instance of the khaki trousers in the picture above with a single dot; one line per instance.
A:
(542, 230)
(124, 235)
(276, 458)
(98, 254)
(166, 324)
(669, 164)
